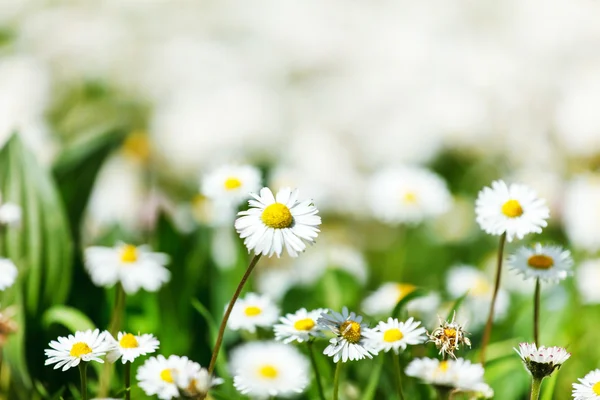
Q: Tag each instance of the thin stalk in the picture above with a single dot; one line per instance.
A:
(113, 327)
(443, 392)
(490, 321)
(83, 376)
(536, 313)
(336, 379)
(238, 290)
(315, 367)
(536, 388)
(398, 372)
(127, 380)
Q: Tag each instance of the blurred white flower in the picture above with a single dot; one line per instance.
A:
(8, 273)
(586, 277)
(10, 214)
(253, 311)
(332, 255)
(193, 380)
(231, 184)
(547, 263)
(581, 211)
(383, 300)
(300, 326)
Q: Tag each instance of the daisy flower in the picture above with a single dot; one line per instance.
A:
(589, 388)
(587, 275)
(273, 223)
(407, 195)
(128, 347)
(449, 336)
(542, 361)
(351, 338)
(269, 369)
(299, 327)
(134, 267)
(157, 375)
(8, 273)
(384, 299)
(515, 210)
(547, 263)
(252, 311)
(68, 352)
(396, 335)
(231, 183)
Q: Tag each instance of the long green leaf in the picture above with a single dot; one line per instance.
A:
(69, 317)
(405, 300)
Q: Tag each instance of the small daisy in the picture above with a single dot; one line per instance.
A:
(8, 273)
(68, 352)
(542, 361)
(589, 388)
(10, 214)
(299, 327)
(231, 183)
(134, 267)
(384, 299)
(157, 375)
(396, 335)
(128, 347)
(515, 210)
(351, 336)
(253, 311)
(273, 223)
(449, 336)
(547, 263)
(407, 195)
(269, 369)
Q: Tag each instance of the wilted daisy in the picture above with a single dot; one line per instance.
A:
(268, 369)
(396, 335)
(547, 263)
(515, 210)
(194, 380)
(351, 336)
(253, 311)
(128, 347)
(8, 273)
(231, 183)
(273, 223)
(542, 361)
(67, 352)
(589, 387)
(157, 375)
(299, 327)
(449, 336)
(407, 195)
(134, 267)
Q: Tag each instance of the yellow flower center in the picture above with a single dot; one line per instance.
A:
(450, 332)
(268, 371)
(137, 146)
(232, 183)
(540, 261)
(512, 209)
(443, 367)
(79, 349)
(596, 388)
(404, 289)
(277, 216)
(350, 330)
(305, 324)
(128, 341)
(129, 254)
(166, 376)
(409, 198)
(392, 335)
(252, 311)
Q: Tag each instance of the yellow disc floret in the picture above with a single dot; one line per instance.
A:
(166, 375)
(305, 324)
(540, 261)
(252, 311)
(277, 216)
(128, 341)
(350, 330)
(596, 388)
(80, 349)
(232, 183)
(443, 367)
(409, 198)
(512, 209)
(450, 332)
(129, 253)
(392, 335)
(268, 371)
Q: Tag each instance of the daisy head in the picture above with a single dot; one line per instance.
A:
(128, 347)
(351, 336)
(269, 369)
(449, 336)
(543, 361)
(157, 375)
(67, 352)
(514, 210)
(231, 183)
(253, 311)
(135, 267)
(275, 222)
(396, 335)
(384, 299)
(8, 273)
(547, 263)
(299, 327)
(589, 387)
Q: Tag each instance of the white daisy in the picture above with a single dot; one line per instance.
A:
(299, 327)
(134, 267)
(273, 223)
(67, 352)
(589, 388)
(586, 277)
(396, 335)
(128, 347)
(8, 273)
(515, 210)
(157, 375)
(407, 195)
(542, 361)
(384, 299)
(268, 369)
(351, 336)
(253, 311)
(231, 183)
(10, 214)
(547, 263)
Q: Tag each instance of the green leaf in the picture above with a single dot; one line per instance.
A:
(69, 317)
(212, 326)
(456, 306)
(405, 300)
(548, 387)
(374, 380)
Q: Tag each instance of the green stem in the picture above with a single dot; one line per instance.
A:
(536, 313)
(113, 327)
(490, 321)
(398, 371)
(536, 387)
(336, 379)
(127, 380)
(83, 376)
(313, 361)
(443, 392)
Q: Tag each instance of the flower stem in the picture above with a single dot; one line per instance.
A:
(336, 379)
(118, 310)
(236, 294)
(398, 371)
(127, 380)
(536, 313)
(83, 376)
(488, 326)
(443, 392)
(313, 361)
(536, 387)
